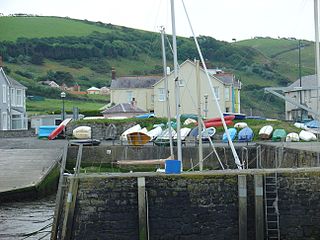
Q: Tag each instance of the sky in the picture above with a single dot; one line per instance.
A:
(221, 19)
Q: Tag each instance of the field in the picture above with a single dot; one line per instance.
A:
(47, 27)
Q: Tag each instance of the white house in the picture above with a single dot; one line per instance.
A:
(13, 114)
(93, 90)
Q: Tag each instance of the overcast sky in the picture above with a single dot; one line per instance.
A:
(221, 19)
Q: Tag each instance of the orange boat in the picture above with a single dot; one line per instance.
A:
(138, 138)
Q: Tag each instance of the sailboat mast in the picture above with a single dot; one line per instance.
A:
(199, 115)
(316, 25)
(177, 90)
(164, 60)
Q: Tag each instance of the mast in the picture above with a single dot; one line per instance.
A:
(177, 90)
(199, 116)
(166, 89)
(316, 25)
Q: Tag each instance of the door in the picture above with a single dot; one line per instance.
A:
(4, 121)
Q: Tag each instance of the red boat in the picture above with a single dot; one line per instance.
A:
(217, 123)
(218, 119)
(59, 129)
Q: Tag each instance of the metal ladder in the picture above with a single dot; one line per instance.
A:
(271, 206)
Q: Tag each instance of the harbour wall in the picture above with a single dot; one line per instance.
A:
(209, 205)
(257, 155)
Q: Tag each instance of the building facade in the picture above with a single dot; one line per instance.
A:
(13, 114)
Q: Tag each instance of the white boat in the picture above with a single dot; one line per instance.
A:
(265, 132)
(184, 132)
(82, 132)
(300, 125)
(292, 137)
(189, 121)
(207, 133)
(307, 136)
(135, 128)
(241, 125)
(155, 132)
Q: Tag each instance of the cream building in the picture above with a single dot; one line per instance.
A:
(138, 89)
(227, 91)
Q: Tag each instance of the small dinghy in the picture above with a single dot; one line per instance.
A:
(232, 133)
(279, 135)
(135, 128)
(265, 132)
(245, 135)
(184, 132)
(208, 133)
(164, 138)
(82, 132)
(292, 137)
(138, 138)
(154, 133)
(241, 125)
(307, 136)
(85, 142)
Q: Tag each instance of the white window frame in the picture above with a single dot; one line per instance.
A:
(227, 93)
(4, 93)
(19, 99)
(216, 92)
(181, 82)
(129, 96)
(4, 121)
(162, 95)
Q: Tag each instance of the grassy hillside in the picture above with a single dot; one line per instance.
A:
(73, 51)
(285, 53)
(12, 28)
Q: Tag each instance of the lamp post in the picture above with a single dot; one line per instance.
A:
(63, 95)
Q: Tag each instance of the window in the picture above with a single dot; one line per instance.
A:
(181, 82)
(4, 93)
(129, 96)
(19, 100)
(162, 95)
(4, 121)
(216, 92)
(227, 93)
(13, 97)
(17, 121)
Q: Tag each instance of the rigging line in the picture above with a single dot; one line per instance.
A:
(235, 155)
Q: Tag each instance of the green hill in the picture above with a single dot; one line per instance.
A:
(12, 28)
(73, 51)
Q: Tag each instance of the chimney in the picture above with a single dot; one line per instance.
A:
(113, 73)
(1, 62)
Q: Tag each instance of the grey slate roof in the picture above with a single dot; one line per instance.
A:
(306, 82)
(16, 83)
(123, 108)
(134, 82)
(227, 78)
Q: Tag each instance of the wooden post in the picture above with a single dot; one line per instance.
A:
(259, 220)
(242, 194)
(143, 232)
(59, 205)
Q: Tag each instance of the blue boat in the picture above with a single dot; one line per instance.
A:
(147, 115)
(237, 116)
(232, 133)
(313, 124)
(245, 135)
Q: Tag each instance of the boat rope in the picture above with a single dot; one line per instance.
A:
(235, 155)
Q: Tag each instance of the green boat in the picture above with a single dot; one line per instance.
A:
(279, 135)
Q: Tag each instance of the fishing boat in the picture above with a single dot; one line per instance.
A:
(135, 128)
(59, 129)
(279, 135)
(265, 132)
(82, 132)
(307, 136)
(240, 125)
(292, 137)
(245, 135)
(232, 134)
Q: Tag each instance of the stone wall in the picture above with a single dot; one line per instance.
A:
(17, 133)
(193, 205)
